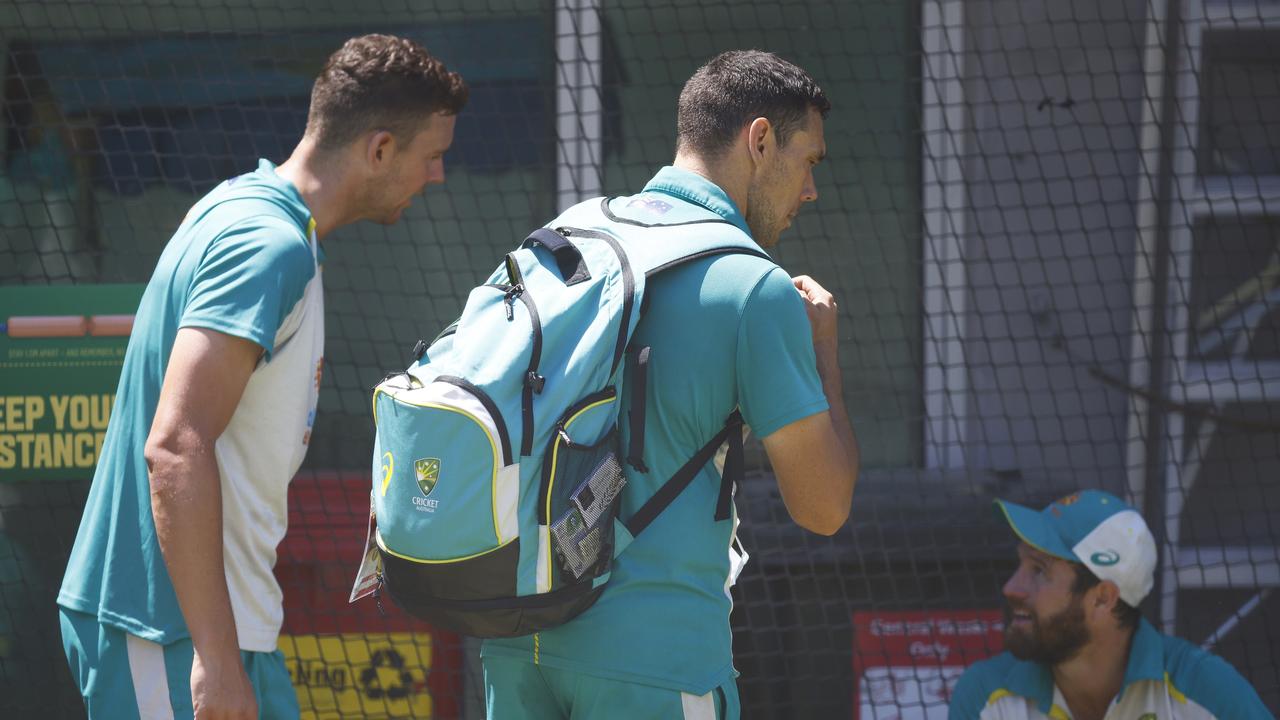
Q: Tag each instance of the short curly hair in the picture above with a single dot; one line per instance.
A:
(380, 82)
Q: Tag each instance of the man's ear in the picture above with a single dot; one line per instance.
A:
(1106, 595)
(760, 139)
(379, 148)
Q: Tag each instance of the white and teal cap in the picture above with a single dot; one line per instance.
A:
(1097, 529)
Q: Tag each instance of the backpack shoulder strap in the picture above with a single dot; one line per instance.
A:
(670, 490)
(651, 248)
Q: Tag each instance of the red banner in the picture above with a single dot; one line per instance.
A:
(353, 659)
(906, 663)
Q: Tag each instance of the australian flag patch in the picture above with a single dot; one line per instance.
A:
(650, 204)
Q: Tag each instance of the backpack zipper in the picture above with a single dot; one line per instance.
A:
(509, 297)
(628, 287)
(533, 382)
(561, 436)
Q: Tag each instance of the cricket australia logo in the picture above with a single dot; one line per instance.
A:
(427, 470)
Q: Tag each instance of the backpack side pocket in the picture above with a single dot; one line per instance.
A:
(579, 495)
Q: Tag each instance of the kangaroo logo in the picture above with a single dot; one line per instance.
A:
(1105, 558)
(427, 471)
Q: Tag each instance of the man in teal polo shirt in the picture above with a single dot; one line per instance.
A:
(168, 606)
(731, 332)
(1076, 646)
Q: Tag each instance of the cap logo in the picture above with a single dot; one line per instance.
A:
(1071, 499)
(1105, 558)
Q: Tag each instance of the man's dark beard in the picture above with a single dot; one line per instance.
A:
(762, 217)
(1051, 640)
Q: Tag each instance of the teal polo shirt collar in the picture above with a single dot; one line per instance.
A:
(1146, 662)
(286, 195)
(297, 207)
(1032, 681)
(696, 189)
(1146, 656)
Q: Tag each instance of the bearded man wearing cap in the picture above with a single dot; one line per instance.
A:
(1076, 646)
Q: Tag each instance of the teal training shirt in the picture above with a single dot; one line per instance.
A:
(244, 262)
(1167, 678)
(724, 332)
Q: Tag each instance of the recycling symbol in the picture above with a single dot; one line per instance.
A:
(386, 676)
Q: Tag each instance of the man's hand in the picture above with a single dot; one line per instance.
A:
(220, 689)
(821, 308)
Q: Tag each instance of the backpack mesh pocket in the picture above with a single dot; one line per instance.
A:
(583, 533)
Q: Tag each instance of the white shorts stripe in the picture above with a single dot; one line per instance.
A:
(150, 683)
(698, 707)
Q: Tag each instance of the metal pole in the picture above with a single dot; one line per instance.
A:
(579, 111)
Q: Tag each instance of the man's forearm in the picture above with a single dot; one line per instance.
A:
(833, 388)
(186, 501)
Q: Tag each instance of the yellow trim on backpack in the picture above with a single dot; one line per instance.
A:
(555, 456)
(381, 546)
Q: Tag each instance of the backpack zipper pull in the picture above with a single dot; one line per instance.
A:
(513, 270)
(509, 297)
(377, 595)
(564, 434)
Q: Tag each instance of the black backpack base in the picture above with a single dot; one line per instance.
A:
(428, 594)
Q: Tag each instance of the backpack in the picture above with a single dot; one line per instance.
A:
(497, 466)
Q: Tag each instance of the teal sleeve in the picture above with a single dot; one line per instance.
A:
(778, 380)
(248, 281)
(970, 694)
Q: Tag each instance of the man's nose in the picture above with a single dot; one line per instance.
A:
(436, 176)
(1014, 588)
(810, 191)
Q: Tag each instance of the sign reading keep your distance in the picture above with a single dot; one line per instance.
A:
(61, 351)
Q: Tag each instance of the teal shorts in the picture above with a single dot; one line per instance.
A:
(516, 690)
(123, 676)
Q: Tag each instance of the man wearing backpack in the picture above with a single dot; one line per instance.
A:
(168, 606)
(733, 331)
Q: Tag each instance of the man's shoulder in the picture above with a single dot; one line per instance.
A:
(1197, 675)
(981, 683)
(245, 204)
(251, 223)
(991, 673)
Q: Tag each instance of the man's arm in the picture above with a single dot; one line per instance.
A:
(207, 374)
(816, 459)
